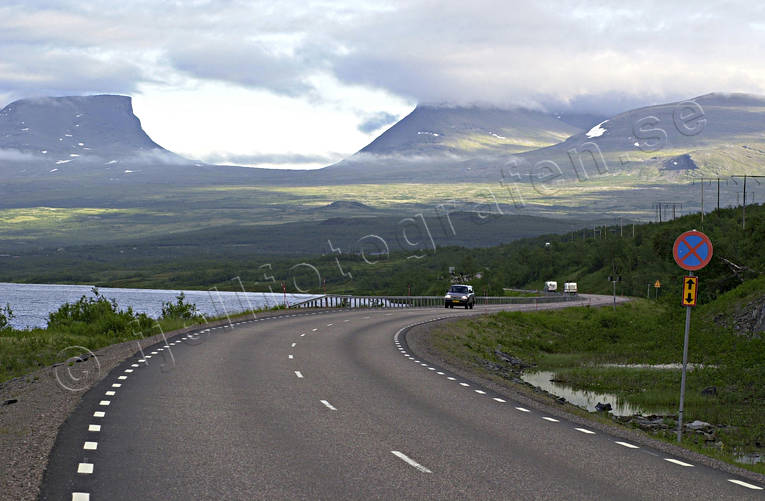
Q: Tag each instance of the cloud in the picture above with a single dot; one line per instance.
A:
(585, 56)
(377, 121)
(271, 159)
(10, 155)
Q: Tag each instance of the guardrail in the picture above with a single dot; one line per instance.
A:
(351, 301)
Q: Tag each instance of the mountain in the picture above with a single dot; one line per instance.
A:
(437, 141)
(98, 129)
(430, 130)
(711, 135)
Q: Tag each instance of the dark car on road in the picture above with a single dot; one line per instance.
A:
(459, 295)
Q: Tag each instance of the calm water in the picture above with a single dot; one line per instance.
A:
(31, 303)
(581, 398)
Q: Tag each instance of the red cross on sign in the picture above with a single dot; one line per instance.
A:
(692, 250)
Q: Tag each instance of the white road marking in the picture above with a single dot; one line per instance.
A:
(134, 365)
(99, 414)
(410, 462)
(585, 430)
(122, 377)
(677, 461)
(314, 330)
(303, 334)
(424, 365)
(744, 484)
(440, 373)
(480, 392)
(128, 370)
(80, 496)
(499, 400)
(330, 325)
(451, 378)
(111, 393)
(141, 360)
(147, 356)
(627, 445)
(431, 368)
(116, 385)
(346, 320)
(153, 352)
(328, 405)
(290, 357)
(523, 409)
(104, 402)
(552, 420)
(294, 344)
(298, 374)
(85, 468)
(90, 446)
(94, 427)
(464, 384)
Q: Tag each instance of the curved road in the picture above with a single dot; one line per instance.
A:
(332, 405)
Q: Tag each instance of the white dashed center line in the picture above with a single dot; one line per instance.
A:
(480, 392)
(410, 461)
(80, 496)
(523, 409)
(111, 393)
(314, 330)
(451, 378)
(299, 374)
(99, 414)
(294, 344)
(122, 377)
(677, 461)
(116, 385)
(464, 384)
(90, 446)
(744, 484)
(104, 403)
(552, 420)
(499, 400)
(328, 405)
(290, 357)
(94, 427)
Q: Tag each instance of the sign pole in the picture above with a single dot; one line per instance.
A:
(614, 282)
(685, 365)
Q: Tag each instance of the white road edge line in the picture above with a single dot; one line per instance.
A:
(585, 430)
(328, 405)
(523, 409)
(85, 468)
(677, 461)
(410, 462)
(744, 484)
(299, 374)
(627, 445)
(500, 400)
(552, 420)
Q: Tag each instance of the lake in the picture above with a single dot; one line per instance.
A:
(31, 303)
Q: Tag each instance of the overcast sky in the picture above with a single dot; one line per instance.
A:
(301, 84)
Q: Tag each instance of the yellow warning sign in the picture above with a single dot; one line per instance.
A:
(657, 284)
(690, 290)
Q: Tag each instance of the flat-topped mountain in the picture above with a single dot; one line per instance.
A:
(75, 129)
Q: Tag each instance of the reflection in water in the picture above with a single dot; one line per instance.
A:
(581, 398)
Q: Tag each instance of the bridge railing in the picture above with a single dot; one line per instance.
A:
(353, 301)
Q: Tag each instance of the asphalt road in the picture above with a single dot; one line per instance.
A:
(333, 405)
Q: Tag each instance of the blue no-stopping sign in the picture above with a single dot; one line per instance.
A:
(692, 250)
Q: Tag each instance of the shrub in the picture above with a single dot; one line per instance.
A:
(6, 315)
(180, 309)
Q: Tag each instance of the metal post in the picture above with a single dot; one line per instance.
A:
(685, 366)
(614, 282)
(702, 203)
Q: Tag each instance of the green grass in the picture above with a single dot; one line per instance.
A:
(574, 344)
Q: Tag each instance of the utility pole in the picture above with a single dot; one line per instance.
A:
(743, 208)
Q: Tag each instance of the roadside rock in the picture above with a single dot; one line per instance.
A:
(709, 391)
(601, 407)
(516, 363)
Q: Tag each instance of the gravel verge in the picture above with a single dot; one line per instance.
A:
(33, 408)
